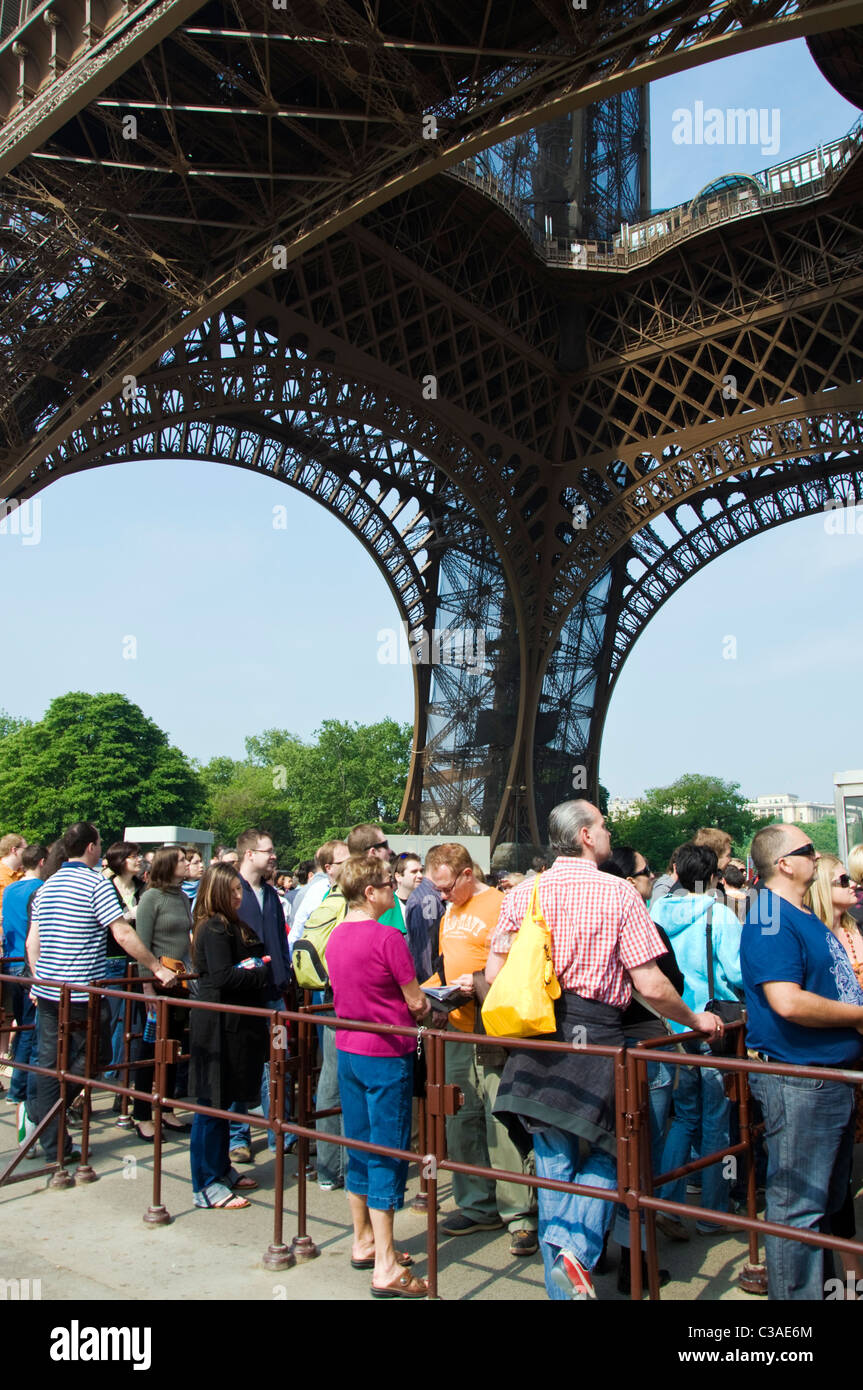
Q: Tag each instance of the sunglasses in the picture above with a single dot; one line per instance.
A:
(843, 881)
(805, 851)
(646, 872)
(381, 844)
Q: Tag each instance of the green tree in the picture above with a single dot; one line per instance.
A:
(9, 724)
(305, 793)
(242, 798)
(822, 834)
(96, 758)
(668, 816)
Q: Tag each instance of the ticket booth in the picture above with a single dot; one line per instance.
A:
(152, 836)
(848, 795)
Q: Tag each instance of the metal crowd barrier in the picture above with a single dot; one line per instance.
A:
(635, 1180)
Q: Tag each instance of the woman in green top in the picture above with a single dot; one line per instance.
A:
(164, 922)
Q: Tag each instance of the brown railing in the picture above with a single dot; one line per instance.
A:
(635, 1180)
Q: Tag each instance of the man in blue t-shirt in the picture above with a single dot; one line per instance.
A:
(804, 1007)
(16, 920)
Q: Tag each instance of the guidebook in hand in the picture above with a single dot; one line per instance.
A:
(445, 998)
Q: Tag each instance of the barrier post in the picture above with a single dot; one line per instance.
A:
(157, 1214)
(627, 1162)
(61, 1178)
(435, 1145)
(305, 1034)
(277, 1254)
(753, 1276)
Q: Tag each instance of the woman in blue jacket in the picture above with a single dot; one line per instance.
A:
(701, 1108)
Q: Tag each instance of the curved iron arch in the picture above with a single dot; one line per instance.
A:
(574, 680)
(413, 519)
(740, 509)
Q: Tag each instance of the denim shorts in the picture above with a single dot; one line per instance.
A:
(377, 1096)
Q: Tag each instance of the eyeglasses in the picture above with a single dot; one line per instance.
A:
(843, 881)
(385, 883)
(646, 872)
(381, 844)
(805, 851)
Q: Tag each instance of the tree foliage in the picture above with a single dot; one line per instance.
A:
(822, 834)
(305, 793)
(9, 724)
(96, 758)
(669, 816)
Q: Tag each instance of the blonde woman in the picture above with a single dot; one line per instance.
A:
(855, 869)
(831, 896)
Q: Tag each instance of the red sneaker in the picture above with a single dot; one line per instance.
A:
(570, 1275)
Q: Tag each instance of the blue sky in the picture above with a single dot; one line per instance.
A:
(219, 625)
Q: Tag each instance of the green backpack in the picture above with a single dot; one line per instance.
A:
(310, 970)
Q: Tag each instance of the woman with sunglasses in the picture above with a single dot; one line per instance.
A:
(831, 896)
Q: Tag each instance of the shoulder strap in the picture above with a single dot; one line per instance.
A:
(709, 934)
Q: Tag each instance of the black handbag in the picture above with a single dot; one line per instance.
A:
(727, 1009)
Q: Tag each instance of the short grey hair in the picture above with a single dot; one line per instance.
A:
(768, 846)
(565, 823)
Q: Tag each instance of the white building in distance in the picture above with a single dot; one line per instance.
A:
(622, 806)
(786, 807)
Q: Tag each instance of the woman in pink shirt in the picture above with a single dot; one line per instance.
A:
(374, 981)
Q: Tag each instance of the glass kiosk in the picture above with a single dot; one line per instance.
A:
(848, 795)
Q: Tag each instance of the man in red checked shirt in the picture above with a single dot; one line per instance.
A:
(603, 945)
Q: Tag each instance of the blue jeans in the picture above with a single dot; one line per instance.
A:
(208, 1150)
(567, 1222)
(660, 1079)
(701, 1116)
(809, 1129)
(115, 970)
(24, 1048)
(377, 1099)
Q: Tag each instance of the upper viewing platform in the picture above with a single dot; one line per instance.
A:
(794, 182)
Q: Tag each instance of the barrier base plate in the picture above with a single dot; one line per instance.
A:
(753, 1279)
(304, 1248)
(278, 1257)
(157, 1216)
(61, 1179)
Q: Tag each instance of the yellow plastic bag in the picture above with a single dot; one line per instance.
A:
(520, 1003)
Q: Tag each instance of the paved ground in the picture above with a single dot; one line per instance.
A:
(90, 1242)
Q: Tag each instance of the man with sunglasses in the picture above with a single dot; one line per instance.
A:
(805, 1008)
(371, 841)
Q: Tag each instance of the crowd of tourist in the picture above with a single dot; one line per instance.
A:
(368, 932)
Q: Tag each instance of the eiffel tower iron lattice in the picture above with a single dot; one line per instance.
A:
(537, 441)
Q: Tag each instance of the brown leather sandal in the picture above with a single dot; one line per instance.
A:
(406, 1286)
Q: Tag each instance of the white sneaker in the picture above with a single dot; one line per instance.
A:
(24, 1125)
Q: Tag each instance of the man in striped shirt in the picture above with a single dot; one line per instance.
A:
(72, 914)
(603, 943)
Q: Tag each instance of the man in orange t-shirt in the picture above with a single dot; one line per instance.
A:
(473, 1135)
